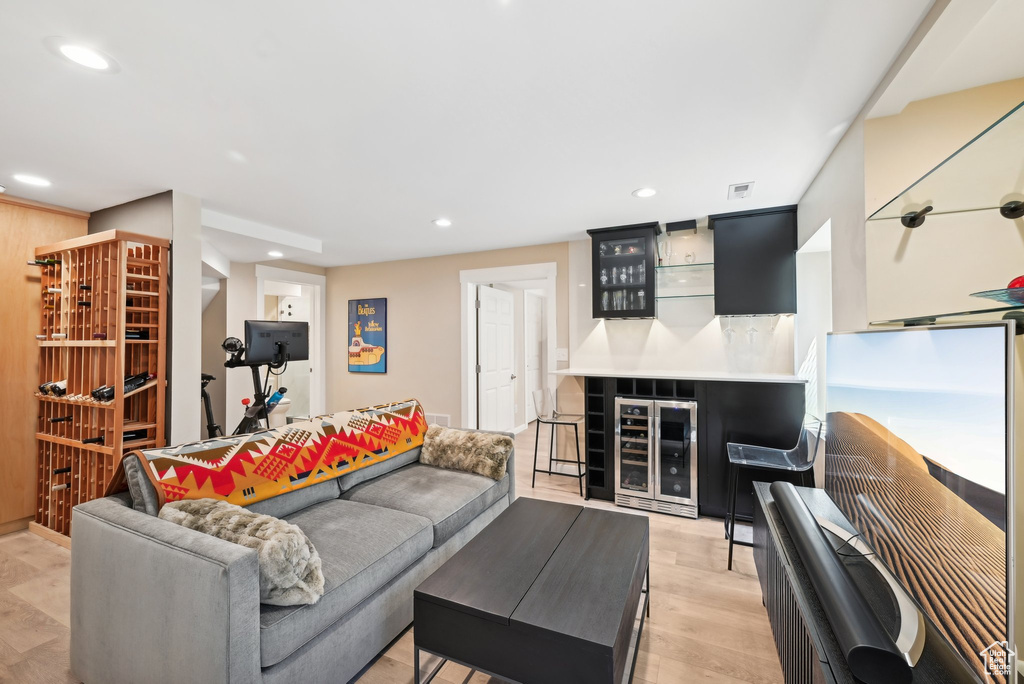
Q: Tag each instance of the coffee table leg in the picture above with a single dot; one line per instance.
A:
(648, 590)
(430, 677)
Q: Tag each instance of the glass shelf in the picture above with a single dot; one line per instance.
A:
(932, 318)
(704, 266)
(684, 281)
(982, 175)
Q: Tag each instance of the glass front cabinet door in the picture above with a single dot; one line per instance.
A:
(675, 437)
(633, 433)
(623, 271)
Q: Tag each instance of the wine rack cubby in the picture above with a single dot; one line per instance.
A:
(102, 364)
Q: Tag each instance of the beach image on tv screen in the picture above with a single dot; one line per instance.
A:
(916, 457)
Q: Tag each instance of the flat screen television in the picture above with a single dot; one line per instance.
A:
(919, 457)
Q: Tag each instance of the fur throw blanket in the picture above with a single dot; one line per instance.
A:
(483, 453)
(291, 572)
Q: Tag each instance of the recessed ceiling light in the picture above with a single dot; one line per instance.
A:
(275, 254)
(32, 180)
(87, 57)
(442, 222)
(3, 189)
(236, 156)
(644, 193)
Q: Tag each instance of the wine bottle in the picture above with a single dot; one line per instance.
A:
(134, 435)
(136, 334)
(61, 419)
(54, 388)
(42, 262)
(99, 336)
(83, 286)
(61, 471)
(57, 488)
(49, 306)
(93, 440)
(53, 290)
(82, 302)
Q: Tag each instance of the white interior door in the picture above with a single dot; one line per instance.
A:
(495, 359)
(535, 343)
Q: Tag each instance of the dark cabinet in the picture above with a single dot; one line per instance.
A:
(623, 270)
(755, 261)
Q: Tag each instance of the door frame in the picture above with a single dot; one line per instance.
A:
(318, 340)
(468, 280)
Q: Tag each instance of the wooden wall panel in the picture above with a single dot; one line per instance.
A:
(24, 226)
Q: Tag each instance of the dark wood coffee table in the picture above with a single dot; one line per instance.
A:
(547, 592)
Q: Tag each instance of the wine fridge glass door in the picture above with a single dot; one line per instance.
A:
(676, 451)
(633, 425)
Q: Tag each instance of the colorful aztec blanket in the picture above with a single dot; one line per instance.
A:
(244, 469)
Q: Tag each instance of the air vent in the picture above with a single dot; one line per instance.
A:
(741, 190)
(442, 419)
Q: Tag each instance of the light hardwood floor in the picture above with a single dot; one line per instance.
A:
(706, 624)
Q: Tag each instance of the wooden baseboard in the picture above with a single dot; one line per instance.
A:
(15, 525)
(49, 535)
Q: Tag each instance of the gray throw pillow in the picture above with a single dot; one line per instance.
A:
(291, 573)
(482, 453)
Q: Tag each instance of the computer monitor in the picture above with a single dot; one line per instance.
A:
(275, 342)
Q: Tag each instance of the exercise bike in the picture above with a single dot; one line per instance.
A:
(257, 415)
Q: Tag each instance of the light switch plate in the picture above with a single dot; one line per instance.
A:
(561, 354)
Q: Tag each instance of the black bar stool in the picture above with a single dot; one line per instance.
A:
(547, 413)
(799, 459)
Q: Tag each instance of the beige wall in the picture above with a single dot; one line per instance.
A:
(424, 325)
(149, 216)
(213, 334)
(902, 148)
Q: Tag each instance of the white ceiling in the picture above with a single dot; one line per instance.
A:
(974, 43)
(524, 121)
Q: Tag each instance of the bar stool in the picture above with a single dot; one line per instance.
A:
(547, 413)
(799, 459)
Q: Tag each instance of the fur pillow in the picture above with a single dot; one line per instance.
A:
(482, 453)
(291, 572)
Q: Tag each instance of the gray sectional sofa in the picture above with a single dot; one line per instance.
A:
(155, 602)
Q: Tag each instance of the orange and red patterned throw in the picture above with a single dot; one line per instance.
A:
(244, 469)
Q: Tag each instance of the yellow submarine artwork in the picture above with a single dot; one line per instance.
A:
(360, 353)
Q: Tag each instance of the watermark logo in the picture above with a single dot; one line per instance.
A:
(998, 658)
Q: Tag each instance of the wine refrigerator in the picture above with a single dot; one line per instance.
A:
(656, 455)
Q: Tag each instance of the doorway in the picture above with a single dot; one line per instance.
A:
(285, 295)
(507, 343)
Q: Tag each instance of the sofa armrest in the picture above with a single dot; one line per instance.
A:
(152, 601)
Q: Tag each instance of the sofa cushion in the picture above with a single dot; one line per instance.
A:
(361, 549)
(347, 482)
(285, 504)
(448, 498)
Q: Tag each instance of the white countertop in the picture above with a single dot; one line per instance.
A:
(681, 375)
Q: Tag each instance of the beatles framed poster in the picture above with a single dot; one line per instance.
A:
(368, 327)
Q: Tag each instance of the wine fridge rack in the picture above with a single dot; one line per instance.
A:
(104, 319)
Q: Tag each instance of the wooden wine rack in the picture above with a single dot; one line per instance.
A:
(94, 290)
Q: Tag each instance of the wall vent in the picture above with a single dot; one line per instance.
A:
(741, 190)
(442, 419)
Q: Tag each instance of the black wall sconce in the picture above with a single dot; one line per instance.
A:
(915, 219)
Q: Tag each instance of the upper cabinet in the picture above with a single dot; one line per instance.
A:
(623, 268)
(755, 261)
